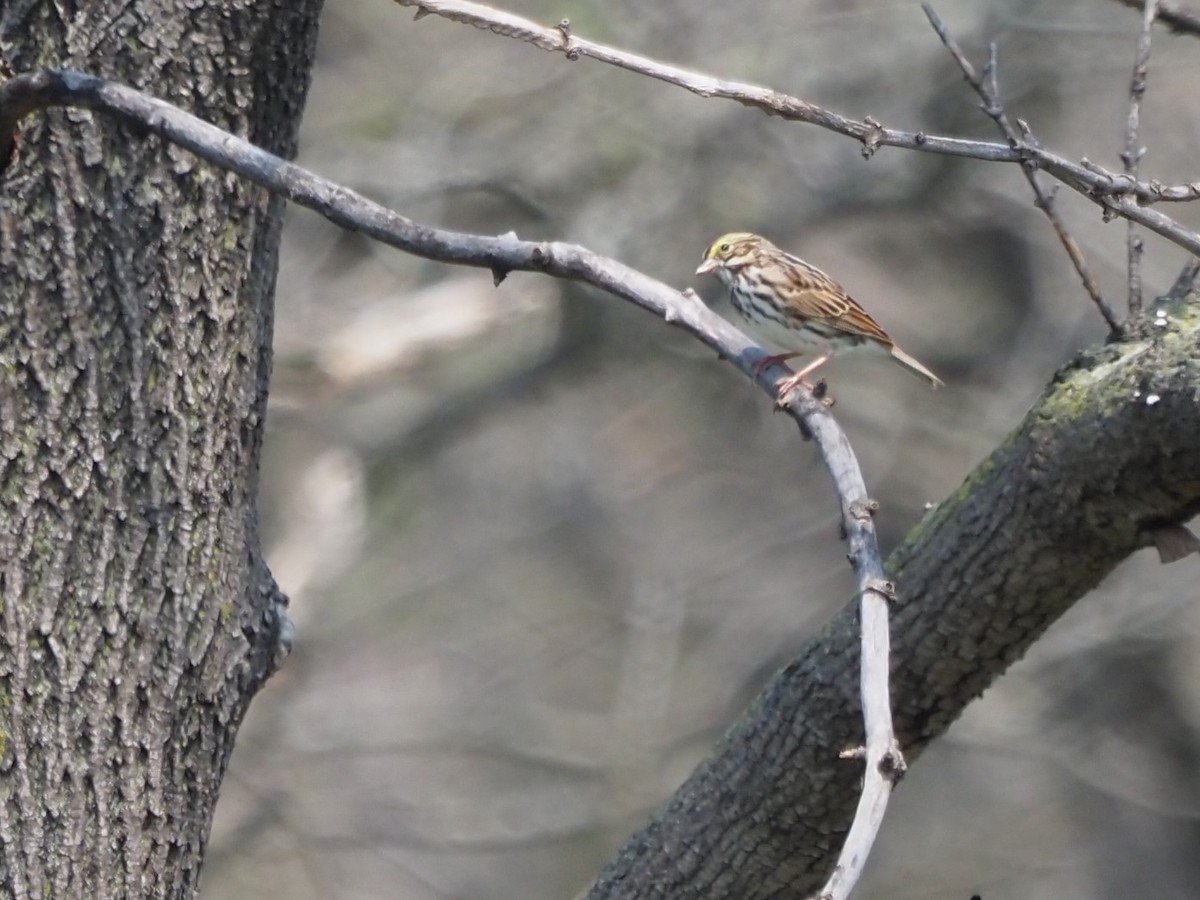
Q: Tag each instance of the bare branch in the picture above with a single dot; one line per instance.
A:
(1131, 156)
(502, 254)
(506, 253)
(988, 89)
(1174, 16)
(1108, 190)
(562, 40)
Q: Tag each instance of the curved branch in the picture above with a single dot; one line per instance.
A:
(502, 254)
(884, 763)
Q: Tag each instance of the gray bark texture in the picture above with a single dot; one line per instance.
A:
(137, 619)
(1108, 454)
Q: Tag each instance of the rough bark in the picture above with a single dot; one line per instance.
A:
(1110, 451)
(137, 619)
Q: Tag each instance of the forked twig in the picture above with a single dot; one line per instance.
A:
(988, 89)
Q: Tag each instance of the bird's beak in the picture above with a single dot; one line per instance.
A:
(709, 265)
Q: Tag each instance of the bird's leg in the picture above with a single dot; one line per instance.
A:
(787, 385)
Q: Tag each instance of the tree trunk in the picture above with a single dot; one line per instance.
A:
(137, 617)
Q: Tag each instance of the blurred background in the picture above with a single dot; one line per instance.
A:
(542, 548)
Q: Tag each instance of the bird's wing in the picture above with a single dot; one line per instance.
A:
(826, 304)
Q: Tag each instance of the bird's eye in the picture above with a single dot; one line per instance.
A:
(724, 248)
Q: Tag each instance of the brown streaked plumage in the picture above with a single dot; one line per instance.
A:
(795, 305)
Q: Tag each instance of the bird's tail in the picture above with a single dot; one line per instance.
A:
(915, 366)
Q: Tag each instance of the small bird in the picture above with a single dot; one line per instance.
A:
(795, 305)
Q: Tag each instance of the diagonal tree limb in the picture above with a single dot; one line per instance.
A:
(1112, 445)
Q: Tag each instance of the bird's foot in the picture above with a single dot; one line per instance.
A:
(784, 389)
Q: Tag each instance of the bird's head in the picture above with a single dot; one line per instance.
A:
(730, 252)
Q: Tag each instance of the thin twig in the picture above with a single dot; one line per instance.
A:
(988, 89)
(1177, 18)
(1131, 156)
(1111, 191)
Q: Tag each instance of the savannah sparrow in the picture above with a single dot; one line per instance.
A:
(795, 305)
